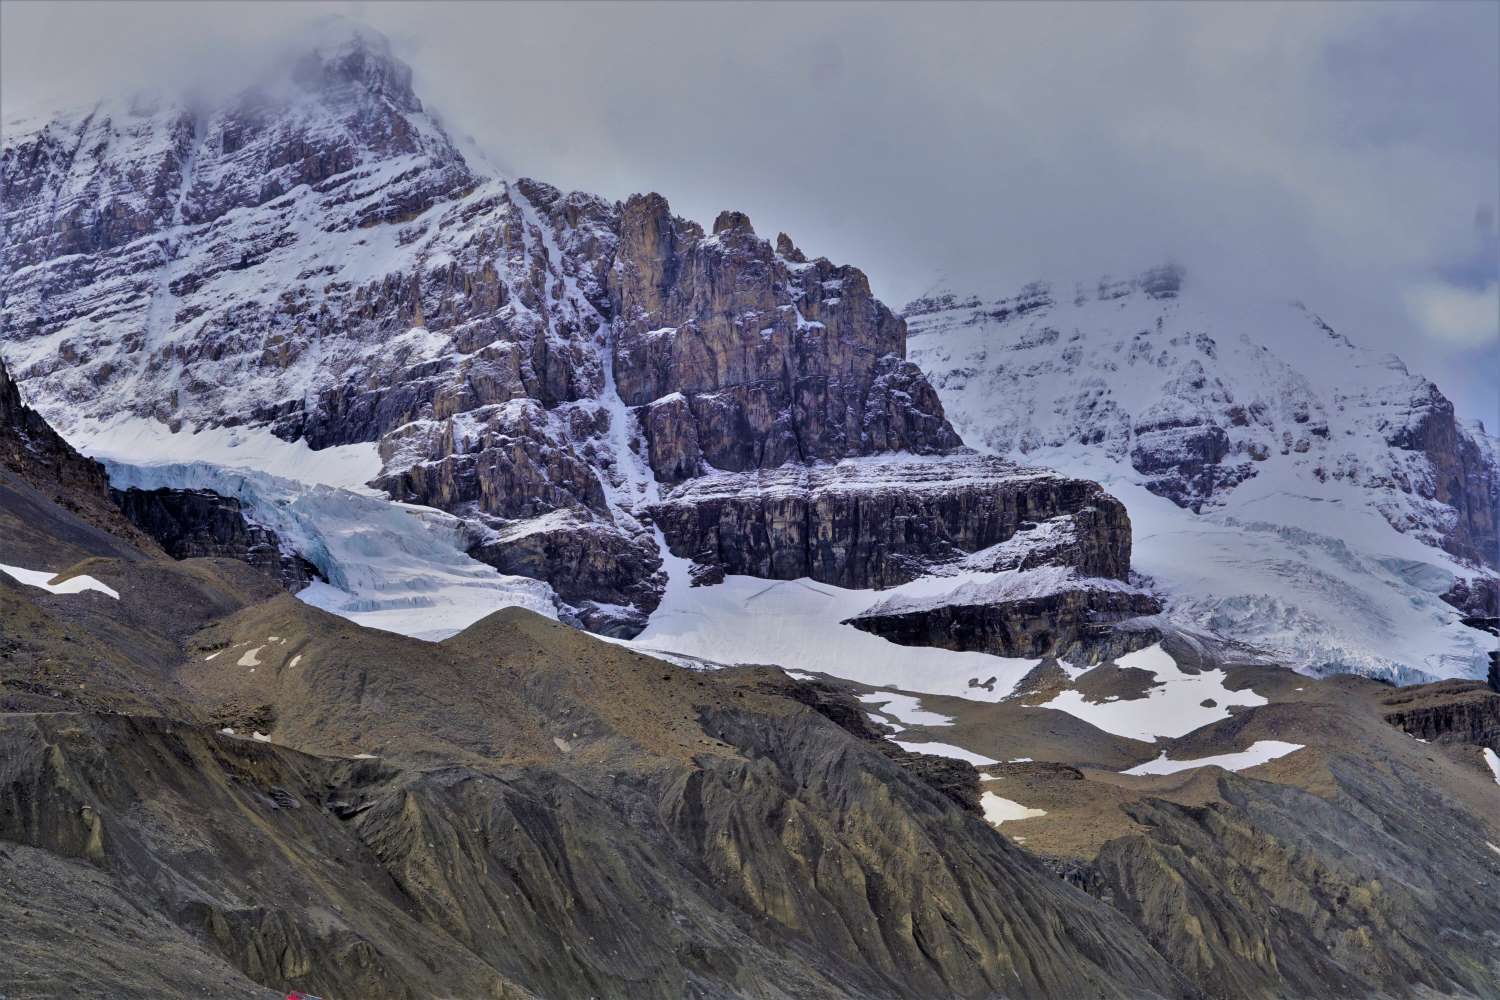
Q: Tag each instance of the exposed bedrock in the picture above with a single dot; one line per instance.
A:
(192, 524)
(35, 453)
(747, 356)
(614, 580)
(1464, 475)
(881, 523)
(1275, 892)
(1448, 712)
(1076, 623)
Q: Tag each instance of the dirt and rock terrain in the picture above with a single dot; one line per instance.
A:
(209, 787)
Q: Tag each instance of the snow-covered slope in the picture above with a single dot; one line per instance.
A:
(1286, 487)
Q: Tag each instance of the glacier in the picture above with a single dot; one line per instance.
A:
(1308, 525)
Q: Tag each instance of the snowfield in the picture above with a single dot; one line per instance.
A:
(948, 750)
(42, 579)
(796, 624)
(1493, 760)
(1260, 752)
(140, 441)
(1174, 707)
(904, 709)
(999, 810)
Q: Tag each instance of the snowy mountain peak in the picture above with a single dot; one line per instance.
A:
(1284, 482)
(312, 280)
(340, 53)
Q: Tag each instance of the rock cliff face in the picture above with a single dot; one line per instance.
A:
(191, 524)
(877, 524)
(38, 456)
(749, 357)
(1465, 712)
(1072, 623)
(317, 261)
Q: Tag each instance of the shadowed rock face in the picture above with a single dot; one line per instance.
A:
(1465, 476)
(1075, 624)
(586, 561)
(37, 455)
(1457, 712)
(202, 524)
(885, 522)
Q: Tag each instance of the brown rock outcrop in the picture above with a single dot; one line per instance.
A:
(35, 453)
(193, 524)
(749, 358)
(1465, 712)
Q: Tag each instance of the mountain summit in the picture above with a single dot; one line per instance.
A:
(1288, 487)
(313, 281)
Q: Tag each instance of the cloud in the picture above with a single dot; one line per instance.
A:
(1333, 153)
(1461, 316)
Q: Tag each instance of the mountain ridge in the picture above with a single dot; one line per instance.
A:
(319, 265)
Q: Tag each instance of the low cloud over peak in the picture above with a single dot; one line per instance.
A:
(1330, 153)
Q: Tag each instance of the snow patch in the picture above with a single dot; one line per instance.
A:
(43, 580)
(797, 625)
(138, 441)
(1260, 752)
(1172, 708)
(999, 810)
(947, 750)
(904, 708)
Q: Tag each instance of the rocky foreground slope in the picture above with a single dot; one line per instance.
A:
(209, 787)
(1287, 486)
(318, 265)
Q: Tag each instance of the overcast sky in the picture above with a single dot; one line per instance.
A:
(1346, 155)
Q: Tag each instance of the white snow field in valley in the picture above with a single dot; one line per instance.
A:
(1177, 704)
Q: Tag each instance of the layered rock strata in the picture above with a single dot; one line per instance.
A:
(202, 524)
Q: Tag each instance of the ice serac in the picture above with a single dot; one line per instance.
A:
(319, 261)
(1287, 487)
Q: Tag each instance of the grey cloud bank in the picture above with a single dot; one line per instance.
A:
(1346, 155)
